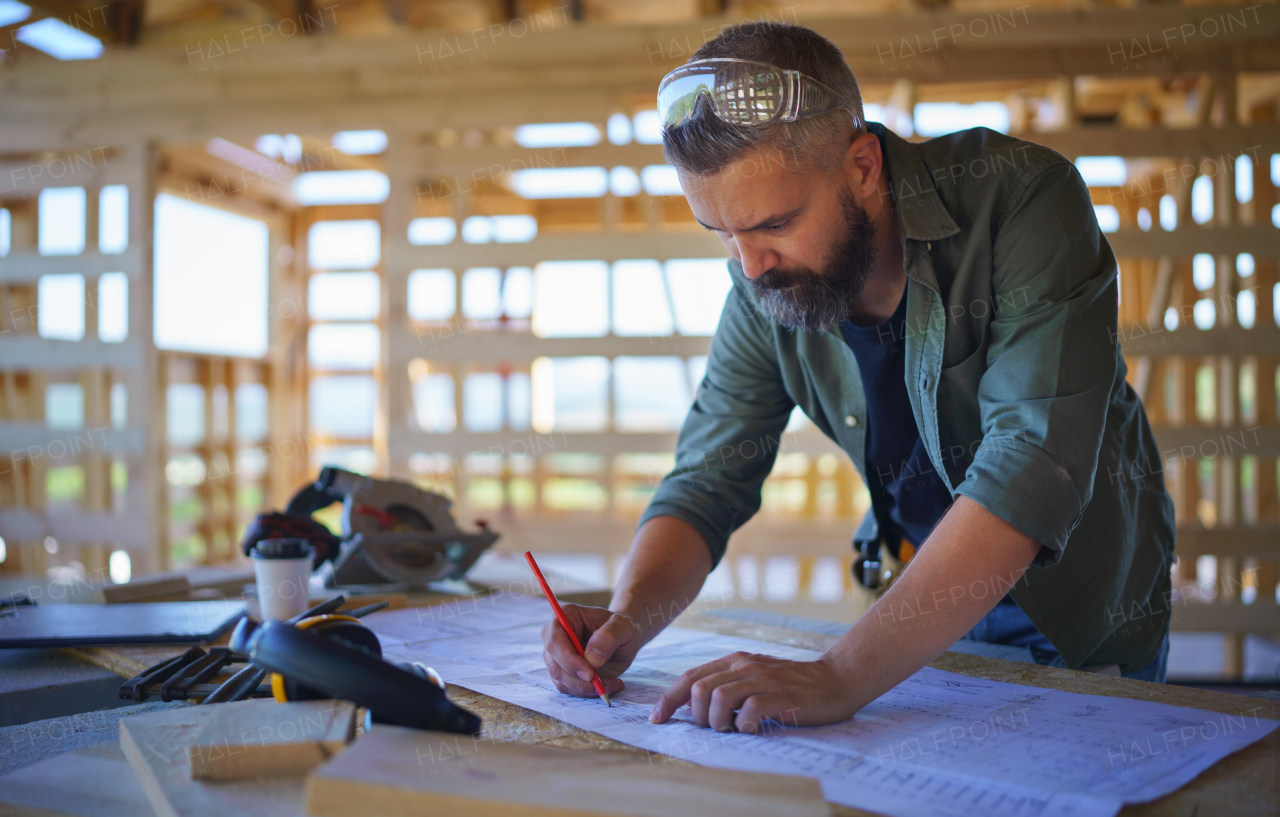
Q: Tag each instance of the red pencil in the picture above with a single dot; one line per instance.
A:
(564, 622)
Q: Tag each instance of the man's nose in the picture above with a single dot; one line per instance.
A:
(756, 261)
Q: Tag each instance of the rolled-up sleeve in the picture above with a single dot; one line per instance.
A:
(1051, 362)
(730, 437)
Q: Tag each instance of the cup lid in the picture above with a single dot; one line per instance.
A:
(283, 549)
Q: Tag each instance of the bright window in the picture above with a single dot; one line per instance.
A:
(640, 300)
(560, 182)
(113, 307)
(64, 406)
(937, 118)
(344, 244)
(337, 346)
(210, 279)
(432, 231)
(432, 294)
(1102, 171)
(60, 306)
(482, 294)
(557, 134)
(113, 219)
(482, 401)
(650, 393)
(699, 287)
(61, 220)
(360, 142)
(343, 296)
(570, 299)
(341, 187)
(344, 405)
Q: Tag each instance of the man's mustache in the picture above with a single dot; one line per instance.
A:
(779, 278)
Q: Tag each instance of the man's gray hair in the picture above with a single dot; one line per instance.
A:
(705, 145)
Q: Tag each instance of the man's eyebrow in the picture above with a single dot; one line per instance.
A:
(762, 224)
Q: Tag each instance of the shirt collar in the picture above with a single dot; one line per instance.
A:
(921, 216)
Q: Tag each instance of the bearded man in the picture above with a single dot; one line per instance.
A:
(945, 311)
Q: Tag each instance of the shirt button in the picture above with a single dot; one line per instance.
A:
(851, 421)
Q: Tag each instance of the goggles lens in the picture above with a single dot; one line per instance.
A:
(742, 93)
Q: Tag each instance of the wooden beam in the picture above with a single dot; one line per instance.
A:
(1262, 138)
(1189, 240)
(27, 266)
(455, 343)
(327, 83)
(124, 531)
(1260, 617)
(1240, 542)
(1194, 442)
(23, 439)
(594, 246)
(1153, 339)
(62, 355)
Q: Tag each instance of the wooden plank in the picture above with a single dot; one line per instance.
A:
(1228, 617)
(237, 742)
(1190, 442)
(27, 266)
(462, 443)
(588, 246)
(147, 588)
(1262, 541)
(1189, 240)
(578, 71)
(453, 342)
(156, 747)
(65, 355)
(81, 166)
(1231, 140)
(394, 770)
(491, 160)
(1151, 338)
(867, 38)
(26, 439)
(124, 531)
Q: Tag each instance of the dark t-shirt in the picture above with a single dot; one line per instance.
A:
(907, 494)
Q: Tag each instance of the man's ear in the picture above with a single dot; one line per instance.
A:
(862, 165)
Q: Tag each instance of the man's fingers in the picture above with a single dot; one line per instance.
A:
(757, 708)
(680, 692)
(563, 652)
(565, 680)
(604, 642)
(570, 684)
(701, 691)
(730, 696)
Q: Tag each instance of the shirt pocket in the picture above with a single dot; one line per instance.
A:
(959, 415)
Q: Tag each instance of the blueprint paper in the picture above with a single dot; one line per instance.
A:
(939, 744)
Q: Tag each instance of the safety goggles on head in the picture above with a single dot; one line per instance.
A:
(743, 92)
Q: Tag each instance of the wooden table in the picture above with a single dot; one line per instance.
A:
(1243, 784)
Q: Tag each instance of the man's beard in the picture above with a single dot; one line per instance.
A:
(800, 298)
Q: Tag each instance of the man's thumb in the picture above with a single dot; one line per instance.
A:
(602, 643)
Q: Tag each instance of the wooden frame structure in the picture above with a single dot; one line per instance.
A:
(448, 102)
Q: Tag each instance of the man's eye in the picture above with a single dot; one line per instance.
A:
(777, 228)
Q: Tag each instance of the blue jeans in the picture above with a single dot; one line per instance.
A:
(1006, 624)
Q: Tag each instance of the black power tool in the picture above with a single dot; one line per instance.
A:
(332, 666)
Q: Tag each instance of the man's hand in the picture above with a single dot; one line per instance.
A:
(970, 550)
(741, 690)
(611, 641)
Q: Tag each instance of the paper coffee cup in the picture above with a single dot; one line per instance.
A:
(283, 570)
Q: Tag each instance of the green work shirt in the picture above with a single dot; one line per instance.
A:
(1017, 384)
